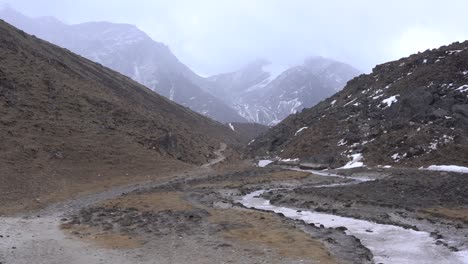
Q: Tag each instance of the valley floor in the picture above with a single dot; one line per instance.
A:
(203, 218)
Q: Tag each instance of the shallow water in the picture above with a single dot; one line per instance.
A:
(389, 244)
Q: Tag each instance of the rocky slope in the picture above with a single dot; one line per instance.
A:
(130, 51)
(268, 97)
(413, 111)
(65, 119)
(247, 131)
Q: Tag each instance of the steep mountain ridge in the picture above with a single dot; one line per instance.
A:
(267, 98)
(232, 85)
(130, 51)
(413, 111)
(66, 120)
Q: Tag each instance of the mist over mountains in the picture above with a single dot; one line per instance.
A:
(267, 97)
(251, 94)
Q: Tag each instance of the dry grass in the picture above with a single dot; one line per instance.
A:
(156, 201)
(448, 213)
(247, 227)
(265, 178)
(72, 189)
(270, 231)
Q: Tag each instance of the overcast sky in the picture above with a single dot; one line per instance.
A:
(214, 36)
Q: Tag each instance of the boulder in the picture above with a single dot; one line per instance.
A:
(461, 109)
(312, 166)
(440, 113)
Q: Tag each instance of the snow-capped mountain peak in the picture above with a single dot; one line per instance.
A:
(266, 93)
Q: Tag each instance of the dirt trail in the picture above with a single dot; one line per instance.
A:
(219, 156)
(36, 237)
(40, 240)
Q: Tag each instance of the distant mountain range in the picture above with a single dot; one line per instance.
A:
(267, 98)
(251, 94)
(132, 52)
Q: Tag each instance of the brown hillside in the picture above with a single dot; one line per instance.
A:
(65, 120)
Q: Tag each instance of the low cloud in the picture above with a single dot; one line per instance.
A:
(213, 36)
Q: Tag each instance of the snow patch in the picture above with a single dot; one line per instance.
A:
(451, 168)
(333, 102)
(264, 163)
(463, 88)
(350, 102)
(341, 142)
(451, 52)
(355, 162)
(172, 92)
(289, 160)
(390, 100)
(231, 127)
(300, 130)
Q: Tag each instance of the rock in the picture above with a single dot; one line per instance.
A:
(223, 245)
(320, 209)
(341, 228)
(440, 113)
(454, 249)
(107, 226)
(312, 166)
(461, 109)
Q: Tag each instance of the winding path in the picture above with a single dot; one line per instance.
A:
(219, 156)
(36, 237)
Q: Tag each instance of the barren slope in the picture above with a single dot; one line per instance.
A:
(65, 120)
(130, 51)
(413, 111)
